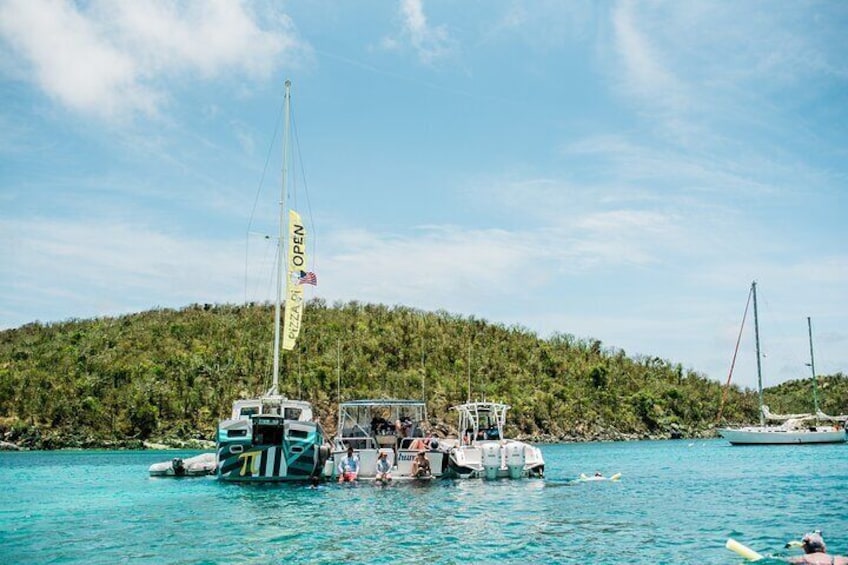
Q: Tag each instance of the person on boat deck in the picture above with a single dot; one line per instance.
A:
(349, 467)
(815, 551)
(421, 441)
(421, 465)
(383, 467)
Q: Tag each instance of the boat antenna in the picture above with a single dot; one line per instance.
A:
(759, 362)
(423, 373)
(280, 249)
(339, 369)
(813, 367)
(469, 372)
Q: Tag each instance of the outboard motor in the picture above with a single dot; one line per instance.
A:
(178, 466)
(515, 460)
(324, 464)
(491, 460)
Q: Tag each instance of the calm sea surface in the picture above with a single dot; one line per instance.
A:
(677, 502)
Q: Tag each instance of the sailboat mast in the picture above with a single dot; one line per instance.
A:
(813, 367)
(281, 249)
(759, 362)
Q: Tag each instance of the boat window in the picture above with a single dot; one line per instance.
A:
(297, 434)
(292, 413)
(249, 410)
(236, 433)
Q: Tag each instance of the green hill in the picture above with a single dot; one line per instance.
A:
(167, 373)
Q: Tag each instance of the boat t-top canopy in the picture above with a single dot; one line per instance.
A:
(482, 420)
(372, 418)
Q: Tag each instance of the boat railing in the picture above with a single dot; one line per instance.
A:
(357, 439)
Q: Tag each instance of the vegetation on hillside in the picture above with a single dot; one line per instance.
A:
(169, 373)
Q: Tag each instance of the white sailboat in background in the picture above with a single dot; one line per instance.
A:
(795, 428)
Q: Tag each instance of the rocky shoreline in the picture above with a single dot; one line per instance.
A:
(33, 438)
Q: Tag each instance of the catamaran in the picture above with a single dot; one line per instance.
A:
(482, 451)
(390, 426)
(794, 428)
(273, 438)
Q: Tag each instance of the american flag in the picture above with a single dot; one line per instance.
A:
(308, 278)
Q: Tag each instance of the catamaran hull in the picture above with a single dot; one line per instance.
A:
(268, 463)
(771, 436)
(298, 454)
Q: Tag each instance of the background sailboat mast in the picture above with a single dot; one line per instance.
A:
(759, 363)
(813, 368)
(281, 249)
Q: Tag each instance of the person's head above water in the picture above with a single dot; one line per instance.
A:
(814, 543)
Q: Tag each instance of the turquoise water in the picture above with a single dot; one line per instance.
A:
(678, 502)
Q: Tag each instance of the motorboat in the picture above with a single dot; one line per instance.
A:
(482, 451)
(391, 426)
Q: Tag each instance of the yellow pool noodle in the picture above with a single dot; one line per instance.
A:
(742, 550)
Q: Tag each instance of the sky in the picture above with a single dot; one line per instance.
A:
(613, 170)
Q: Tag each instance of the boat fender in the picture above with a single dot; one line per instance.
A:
(434, 444)
(323, 455)
(178, 466)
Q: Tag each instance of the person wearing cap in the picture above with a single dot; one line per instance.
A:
(349, 467)
(815, 551)
(384, 468)
(421, 466)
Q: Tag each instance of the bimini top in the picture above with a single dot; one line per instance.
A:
(369, 418)
(382, 402)
(479, 406)
(272, 405)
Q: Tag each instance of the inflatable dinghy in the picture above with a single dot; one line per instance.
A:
(197, 466)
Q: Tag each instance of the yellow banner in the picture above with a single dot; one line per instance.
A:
(294, 292)
(294, 311)
(297, 244)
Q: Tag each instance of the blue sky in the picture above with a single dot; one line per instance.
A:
(613, 170)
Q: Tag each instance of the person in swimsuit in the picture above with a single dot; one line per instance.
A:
(421, 466)
(815, 551)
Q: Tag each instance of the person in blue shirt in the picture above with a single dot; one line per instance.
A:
(384, 468)
(349, 467)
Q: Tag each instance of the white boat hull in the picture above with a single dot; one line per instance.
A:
(496, 460)
(401, 463)
(775, 435)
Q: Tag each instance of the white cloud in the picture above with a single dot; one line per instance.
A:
(107, 267)
(114, 59)
(430, 42)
